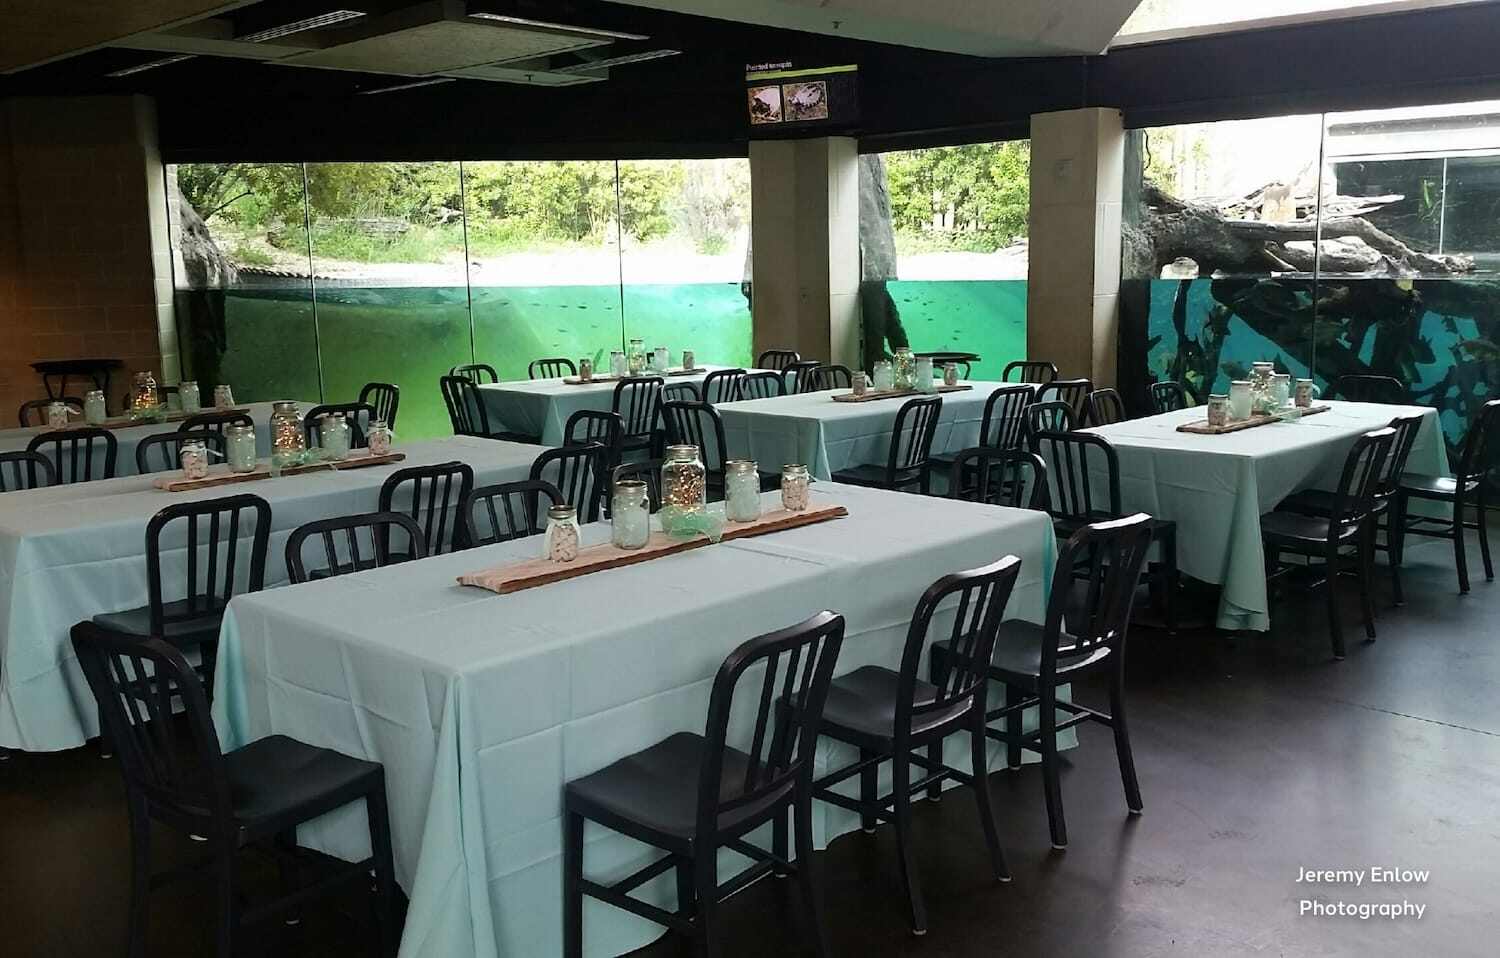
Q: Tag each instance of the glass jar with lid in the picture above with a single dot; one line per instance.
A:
(684, 481)
(287, 439)
(333, 436)
(223, 396)
(618, 366)
(239, 447)
(560, 544)
(796, 485)
(57, 415)
(378, 438)
(187, 395)
(630, 515)
(635, 357)
(95, 408)
(741, 490)
(194, 460)
(884, 376)
(905, 367)
(145, 396)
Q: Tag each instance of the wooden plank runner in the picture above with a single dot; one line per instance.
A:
(1202, 428)
(530, 573)
(220, 475)
(875, 395)
(177, 415)
(575, 381)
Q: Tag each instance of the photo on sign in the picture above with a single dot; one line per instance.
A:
(806, 101)
(765, 104)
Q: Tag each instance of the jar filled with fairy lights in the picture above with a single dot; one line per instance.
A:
(635, 357)
(145, 397)
(288, 442)
(905, 368)
(684, 481)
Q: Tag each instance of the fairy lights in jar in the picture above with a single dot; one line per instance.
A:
(684, 481)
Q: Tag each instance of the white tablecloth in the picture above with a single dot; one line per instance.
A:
(1217, 487)
(71, 552)
(481, 706)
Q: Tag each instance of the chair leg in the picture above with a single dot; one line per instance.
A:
(228, 895)
(1484, 531)
(287, 869)
(140, 878)
(385, 871)
(868, 778)
(978, 746)
(706, 893)
(901, 792)
(686, 905)
(1013, 728)
(1335, 627)
(1366, 571)
(779, 844)
(1395, 524)
(937, 675)
(1169, 588)
(573, 885)
(802, 816)
(1051, 784)
(1122, 742)
(1460, 548)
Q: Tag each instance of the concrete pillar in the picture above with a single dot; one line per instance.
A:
(805, 241)
(1073, 280)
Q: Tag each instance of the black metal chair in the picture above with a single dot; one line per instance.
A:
(645, 470)
(999, 477)
(889, 715)
(39, 406)
(1349, 525)
(553, 368)
(1003, 425)
(358, 415)
(797, 377)
(827, 376)
(23, 469)
(215, 421)
(1366, 388)
(777, 359)
(578, 473)
(910, 462)
(636, 401)
(690, 795)
(1078, 465)
(519, 513)
(681, 392)
(467, 413)
(1467, 489)
(1074, 392)
(1033, 661)
(79, 454)
(431, 496)
(476, 373)
(761, 385)
(176, 775)
(698, 424)
(213, 536)
(604, 428)
(723, 385)
(1029, 371)
(1106, 407)
(162, 452)
(386, 400)
(353, 544)
(1168, 397)
(1043, 417)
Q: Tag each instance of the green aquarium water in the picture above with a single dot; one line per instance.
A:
(987, 317)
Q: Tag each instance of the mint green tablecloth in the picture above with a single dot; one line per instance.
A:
(1217, 487)
(481, 706)
(827, 436)
(71, 552)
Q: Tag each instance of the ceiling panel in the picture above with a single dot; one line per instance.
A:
(441, 46)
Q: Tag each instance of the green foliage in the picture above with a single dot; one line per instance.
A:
(974, 197)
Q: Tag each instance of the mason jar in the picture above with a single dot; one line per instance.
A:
(741, 490)
(287, 440)
(378, 438)
(924, 376)
(689, 360)
(659, 358)
(1281, 390)
(333, 436)
(618, 366)
(1241, 400)
(630, 515)
(885, 376)
(239, 448)
(635, 357)
(223, 396)
(684, 481)
(905, 368)
(95, 408)
(859, 383)
(145, 396)
(950, 374)
(585, 370)
(57, 415)
(795, 488)
(187, 395)
(1218, 410)
(561, 541)
(194, 457)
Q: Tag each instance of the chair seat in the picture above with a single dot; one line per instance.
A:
(1435, 487)
(862, 704)
(656, 789)
(185, 632)
(1018, 654)
(281, 780)
(1067, 525)
(1319, 502)
(521, 437)
(1293, 529)
(875, 477)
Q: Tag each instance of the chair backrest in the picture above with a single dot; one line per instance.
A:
(1360, 481)
(636, 401)
(79, 454)
(39, 406)
(828, 376)
(1074, 392)
(208, 548)
(1478, 455)
(466, 410)
(999, 477)
(761, 385)
(645, 470)
(722, 385)
(578, 473)
(357, 414)
(1052, 416)
(162, 452)
(1168, 397)
(795, 666)
(173, 762)
(24, 469)
(596, 425)
(681, 392)
(1114, 552)
(1004, 422)
(1407, 428)
(1084, 475)
(911, 439)
(696, 424)
(777, 359)
(1029, 371)
(1367, 388)
(508, 510)
(1106, 407)
(982, 595)
(551, 368)
(476, 372)
(215, 421)
(386, 400)
(797, 377)
(353, 543)
(431, 495)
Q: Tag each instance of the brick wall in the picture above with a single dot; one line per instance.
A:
(85, 270)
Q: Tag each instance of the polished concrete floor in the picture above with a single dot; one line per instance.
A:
(1258, 757)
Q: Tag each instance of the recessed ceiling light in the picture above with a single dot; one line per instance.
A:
(143, 67)
(301, 26)
(547, 25)
(619, 61)
(407, 86)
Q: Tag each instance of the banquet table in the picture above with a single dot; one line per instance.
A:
(481, 706)
(826, 436)
(128, 437)
(541, 407)
(70, 552)
(1217, 487)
